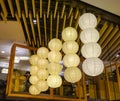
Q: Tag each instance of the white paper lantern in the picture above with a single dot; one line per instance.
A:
(33, 70)
(42, 85)
(42, 52)
(72, 74)
(33, 59)
(33, 79)
(54, 68)
(55, 44)
(33, 90)
(70, 47)
(42, 63)
(93, 66)
(54, 81)
(42, 74)
(54, 56)
(87, 20)
(69, 33)
(89, 35)
(71, 60)
(91, 50)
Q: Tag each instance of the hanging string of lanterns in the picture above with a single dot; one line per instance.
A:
(71, 60)
(91, 50)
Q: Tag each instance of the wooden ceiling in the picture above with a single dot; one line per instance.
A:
(52, 16)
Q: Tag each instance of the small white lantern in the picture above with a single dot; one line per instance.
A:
(42, 85)
(33, 59)
(55, 44)
(54, 81)
(87, 20)
(42, 74)
(33, 90)
(54, 68)
(89, 35)
(33, 79)
(93, 66)
(33, 70)
(72, 74)
(54, 56)
(42, 63)
(69, 33)
(91, 50)
(70, 47)
(42, 52)
(71, 60)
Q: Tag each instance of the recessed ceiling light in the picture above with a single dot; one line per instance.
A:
(35, 21)
(118, 55)
(3, 52)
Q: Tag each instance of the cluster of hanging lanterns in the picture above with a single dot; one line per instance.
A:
(54, 68)
(91, 50)
(71, 60)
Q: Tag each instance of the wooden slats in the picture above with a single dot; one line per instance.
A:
(57, 25)
(11, 7)
(64, 21)
(71, 20)
(70, 12)
(55, 11)
(26, 7)
(63, 10)
(40, 8)
(45, 29)
(18, 7)
(51, 17)
(33, 6)
(48, 10)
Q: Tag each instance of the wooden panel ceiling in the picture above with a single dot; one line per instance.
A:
(43, 20)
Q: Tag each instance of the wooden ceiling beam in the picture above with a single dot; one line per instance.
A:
(4, 9)
(26, 8)
(18, 7)
(33, 6)
(106, 34)
(70, 12)
(57, 26)
(26, 28)
(51, 17)
(11, 7)
(63, 10)
(55, 11)
(38, 27)
(32, 26)
(40, 8)
(71, 20)
(48, 10)
(45, 29)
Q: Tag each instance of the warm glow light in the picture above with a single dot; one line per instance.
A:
(33, 70)
(42, 74)
(33, 90)
(33, 60)
(33, 79)
(42, 63)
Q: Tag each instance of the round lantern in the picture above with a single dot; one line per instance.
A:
(42, 85)
(33, 59)
(54, 81)
(54, 56)
(55, 44)
(89, 35)
(33, 79)
(93, 66)
(42, 63)
(33, 90)
(42, 52)
(87, 20)
(71, 60)
(91, 50)
(69, 33)
(72, 74)
(70, 47)
(54, 68)
(42, 74)
(33, 70)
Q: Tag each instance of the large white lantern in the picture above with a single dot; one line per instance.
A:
(33, 79)
(71, 60)
(33, 90)
(42, 63)
(87, 20)
(54, 56)
(33, 59)
(42, 85)
(72, 74)
(42, 74)
(70, 47)
(91, 50)
(93, 66)
(69, 33)
(42, 52)
(33, 70)
(54, 68)
(55, 44)
(54, 81)
(89, 35)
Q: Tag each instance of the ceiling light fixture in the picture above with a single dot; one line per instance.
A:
(3, 52)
